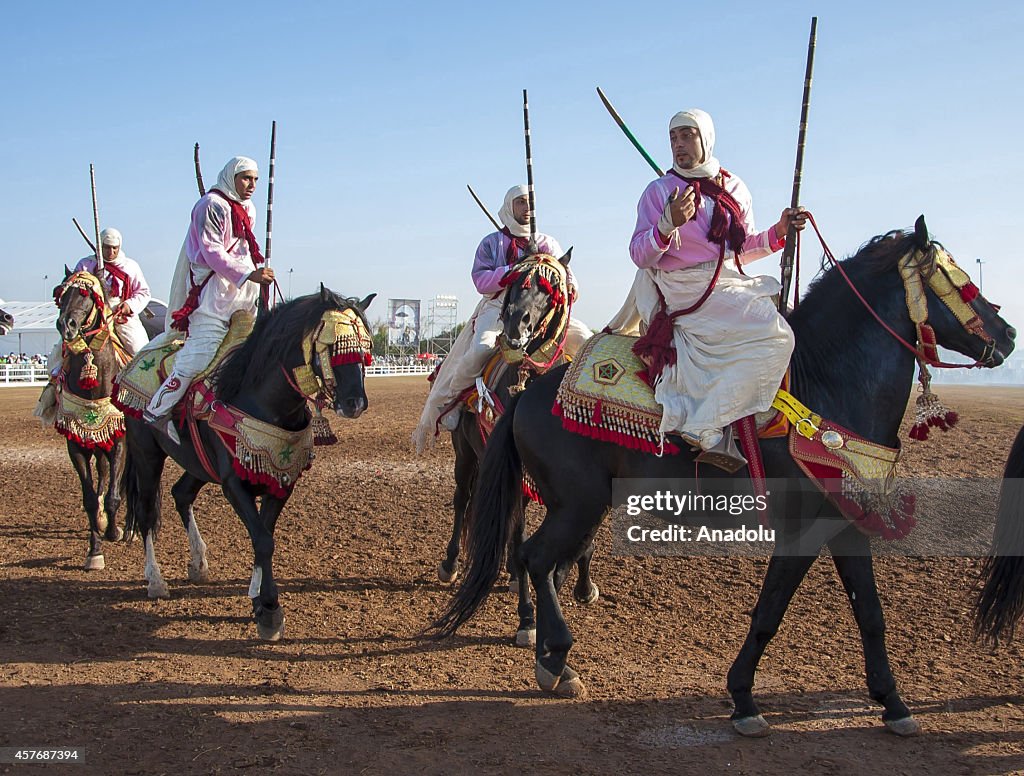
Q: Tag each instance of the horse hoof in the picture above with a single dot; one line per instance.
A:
(199, 575)
(513, 586)
(568, 685)
(752, 727)
(591, 596)
(547, 680)
(270, 633)
(447, 576)
(158, 590)
(270, 624)
(95, 563)
(526, 637)
(116, 535)
(908, 726)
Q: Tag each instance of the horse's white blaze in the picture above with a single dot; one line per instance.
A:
(256, 583)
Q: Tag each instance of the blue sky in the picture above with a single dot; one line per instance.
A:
(387, 110)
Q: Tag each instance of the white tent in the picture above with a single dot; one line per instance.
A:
(35, 328)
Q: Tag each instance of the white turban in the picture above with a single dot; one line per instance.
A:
(226, 179)
(505, 214)
(701, 121)
(110, 236)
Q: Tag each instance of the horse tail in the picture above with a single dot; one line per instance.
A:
(1000, 603)
(134, 514)
(495, 512)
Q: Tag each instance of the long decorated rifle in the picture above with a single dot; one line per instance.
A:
(789, 252)
(85, 237)
(96, 230)
(483, 207)
(199, 171)
(529, 167)
(629, 135)
(265, 295)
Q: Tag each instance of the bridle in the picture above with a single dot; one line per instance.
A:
(948, 282)
(340, 337)
(553, 278)
(98, 320)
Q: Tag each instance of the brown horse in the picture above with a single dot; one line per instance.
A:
(528, 309)
(93, 427)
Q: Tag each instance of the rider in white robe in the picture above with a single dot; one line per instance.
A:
(219, 263)
(478, 340)
(733, 350)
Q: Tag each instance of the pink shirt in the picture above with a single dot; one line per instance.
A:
(689, 245)
(489, 265)
(212, 246)
(212, 243)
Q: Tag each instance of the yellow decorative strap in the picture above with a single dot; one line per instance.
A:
(804, 421)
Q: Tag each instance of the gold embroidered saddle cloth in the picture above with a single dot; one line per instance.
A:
(606, 395)
(92, 423)
(137, 382)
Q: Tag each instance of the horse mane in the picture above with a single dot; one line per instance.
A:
(877, 256)
(818, 321)
(272, 338)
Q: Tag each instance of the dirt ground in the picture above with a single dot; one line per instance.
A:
(182, 685)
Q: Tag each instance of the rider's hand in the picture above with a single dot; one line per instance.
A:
(791, 216)
(122, 312)
(264, 276)
(678, 210)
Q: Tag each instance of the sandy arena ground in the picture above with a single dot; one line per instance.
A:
(182, 686)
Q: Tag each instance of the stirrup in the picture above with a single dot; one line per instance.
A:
(725, 455)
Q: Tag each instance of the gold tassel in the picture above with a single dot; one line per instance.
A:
(88, 378)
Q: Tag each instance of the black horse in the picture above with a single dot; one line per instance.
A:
(527, 307)
(1001, 600)
(93, 429)
(846, 367)
(256, 379)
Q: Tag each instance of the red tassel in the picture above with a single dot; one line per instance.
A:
(510, 278)
(351, 358)
(969, 293)
(596, 417)
(656, 348)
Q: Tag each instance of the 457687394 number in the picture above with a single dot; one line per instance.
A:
(25, 754)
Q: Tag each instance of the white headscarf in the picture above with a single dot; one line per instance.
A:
(701, 121)
(226, 179)
(505, 214)
(111, 236)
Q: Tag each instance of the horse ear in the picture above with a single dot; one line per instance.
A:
(325, 294)
(566, 258)
(366, 302)
(67, 272)
(921, 232)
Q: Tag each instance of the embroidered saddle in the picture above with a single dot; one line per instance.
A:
(137, 382)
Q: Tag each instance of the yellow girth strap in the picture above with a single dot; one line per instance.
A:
(804, 421)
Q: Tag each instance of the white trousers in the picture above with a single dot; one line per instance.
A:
(205, 333)
(132, 335)
(469, 355)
